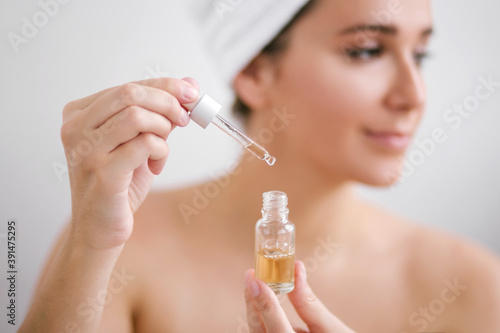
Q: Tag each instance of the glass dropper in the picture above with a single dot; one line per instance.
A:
(205, 111)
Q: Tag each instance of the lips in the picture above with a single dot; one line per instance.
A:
(390, 140)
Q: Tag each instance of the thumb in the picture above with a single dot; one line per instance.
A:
(310, 308)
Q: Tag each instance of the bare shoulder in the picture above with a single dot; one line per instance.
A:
(467, 269)
(455, 257)
(143, 268)
(455, 282)
(456, 278)
(436, 252)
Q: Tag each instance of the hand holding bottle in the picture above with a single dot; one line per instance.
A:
(265, 315)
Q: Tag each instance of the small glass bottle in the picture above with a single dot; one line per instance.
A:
(275, 244)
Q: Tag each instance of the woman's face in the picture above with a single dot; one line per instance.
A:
(351, 75)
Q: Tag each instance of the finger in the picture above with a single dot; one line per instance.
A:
(254, 319)
(171, 85)
(192, 82)
(130, 155)
(156, 166)
(126, 125)
(268, 307)
(132, 94)
(166, 84)
(189, 106)
(309, 307)
(250, 273)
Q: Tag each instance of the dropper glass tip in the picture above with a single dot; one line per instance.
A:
(270, 160)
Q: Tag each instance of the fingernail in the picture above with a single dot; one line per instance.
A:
(190, 93)
(185, 117)
(247, 277)
(254, 288)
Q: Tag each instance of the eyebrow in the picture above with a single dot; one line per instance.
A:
(385, 29)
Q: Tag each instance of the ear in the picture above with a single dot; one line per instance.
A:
(253, 84)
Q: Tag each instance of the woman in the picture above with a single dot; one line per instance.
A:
(349, 94)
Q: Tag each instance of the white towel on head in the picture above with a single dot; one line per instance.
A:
(237, 30)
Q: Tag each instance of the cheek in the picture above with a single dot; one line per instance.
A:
(333, 102)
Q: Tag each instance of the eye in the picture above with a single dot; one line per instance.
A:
(364, 53)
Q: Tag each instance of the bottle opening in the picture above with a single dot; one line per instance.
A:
(275, 202)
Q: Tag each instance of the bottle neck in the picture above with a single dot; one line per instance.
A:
(274, 207)
(267, 216)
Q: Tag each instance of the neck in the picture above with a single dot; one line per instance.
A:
(319, 204)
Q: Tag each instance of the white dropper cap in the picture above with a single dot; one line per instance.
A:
(204, 111)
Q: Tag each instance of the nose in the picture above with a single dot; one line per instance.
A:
(407, 91)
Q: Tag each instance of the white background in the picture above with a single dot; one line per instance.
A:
(91, 45)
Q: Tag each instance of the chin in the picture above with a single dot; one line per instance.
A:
(382, 174)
